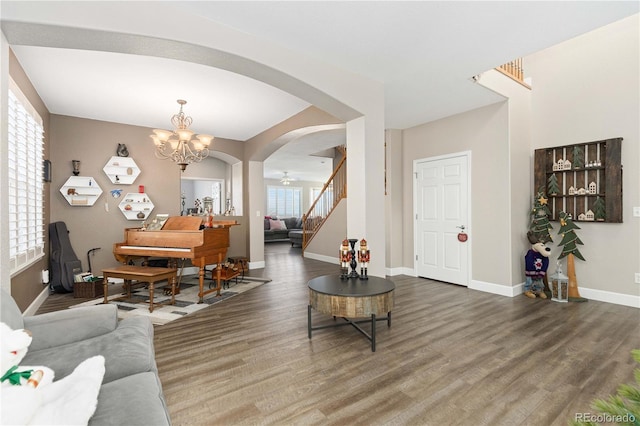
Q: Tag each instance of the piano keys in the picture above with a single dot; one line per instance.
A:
(180, 238)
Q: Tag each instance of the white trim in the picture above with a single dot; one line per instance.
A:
(401, 270)
(468, 230)
(37, 302)
(323, 258)
(502, 290)
(588, 293)
(610, 297)
(256, 265)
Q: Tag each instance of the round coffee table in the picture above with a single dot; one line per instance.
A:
(351, 298)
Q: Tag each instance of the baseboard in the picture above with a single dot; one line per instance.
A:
(193, 270)
(322, 257)
(37, 302)
(501, 290)
(256, 265)
(587, 293)
(391, 272)
(610, 297)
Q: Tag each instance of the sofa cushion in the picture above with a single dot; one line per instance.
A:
(127, 350)
(132, 400)
(291, 222)
(10, 311)
(277, 225)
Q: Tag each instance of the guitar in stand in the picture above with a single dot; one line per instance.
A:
(64, 264)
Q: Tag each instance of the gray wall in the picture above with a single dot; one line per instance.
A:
(583, 90)
(93, 143)
(588, 89)
(483, 132)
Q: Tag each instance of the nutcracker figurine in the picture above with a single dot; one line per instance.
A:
(345, 258)
(363, 257)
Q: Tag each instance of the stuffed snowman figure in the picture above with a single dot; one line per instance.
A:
(28, 394)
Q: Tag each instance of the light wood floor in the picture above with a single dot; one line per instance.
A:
(452, 356)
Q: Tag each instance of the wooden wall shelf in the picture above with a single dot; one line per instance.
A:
(586, 177)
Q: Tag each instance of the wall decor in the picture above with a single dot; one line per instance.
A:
(136, 206)
(122, 150)
(584, 180)
(81, 191)
(121, 170)
(46, 170)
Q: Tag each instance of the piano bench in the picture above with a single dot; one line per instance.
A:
(147, 274)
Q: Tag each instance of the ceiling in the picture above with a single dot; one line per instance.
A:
(424, 53)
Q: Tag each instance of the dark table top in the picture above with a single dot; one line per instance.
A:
(335, 286)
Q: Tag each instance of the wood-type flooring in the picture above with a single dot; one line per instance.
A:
(452, 356)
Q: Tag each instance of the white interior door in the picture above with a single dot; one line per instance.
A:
(441, 200)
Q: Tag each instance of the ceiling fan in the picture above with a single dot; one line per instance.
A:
(286, 180)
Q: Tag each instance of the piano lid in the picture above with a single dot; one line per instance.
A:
(182, 223)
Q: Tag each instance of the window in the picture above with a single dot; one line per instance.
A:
(284, 201)
(25, 155)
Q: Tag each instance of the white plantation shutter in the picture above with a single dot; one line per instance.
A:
(26, 208)
(284, 201)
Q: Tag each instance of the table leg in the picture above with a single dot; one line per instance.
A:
(373, 332)
(309, 319)
(105, 287)
(173, 290)
(151, 296)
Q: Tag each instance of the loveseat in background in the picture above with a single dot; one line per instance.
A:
(273, 232)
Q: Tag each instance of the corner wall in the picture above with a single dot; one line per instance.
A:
(588, 89)
(482, 131)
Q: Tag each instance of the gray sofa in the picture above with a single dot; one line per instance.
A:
(272, 235)
(131, 392)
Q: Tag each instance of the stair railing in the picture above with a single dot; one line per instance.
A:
(334, 190)
(514, 70)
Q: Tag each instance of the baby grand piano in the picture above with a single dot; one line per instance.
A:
(180, 238)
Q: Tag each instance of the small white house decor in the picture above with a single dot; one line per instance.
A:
(559, 284)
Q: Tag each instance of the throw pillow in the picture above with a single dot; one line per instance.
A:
(275, 225)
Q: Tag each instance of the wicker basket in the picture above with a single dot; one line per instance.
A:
(88, 290)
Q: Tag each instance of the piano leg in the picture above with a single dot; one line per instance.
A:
(201, 274)
(175, 288)
(151, 289)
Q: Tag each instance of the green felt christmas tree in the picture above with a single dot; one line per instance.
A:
(570, 240)
(599, 209)
(570, 250)
(552, 185)
(540, 213)
(578, 157)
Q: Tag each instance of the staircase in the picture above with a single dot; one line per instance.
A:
(514, 71)
(334, 190)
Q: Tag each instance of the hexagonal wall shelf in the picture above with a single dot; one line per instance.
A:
(121, 170)
(136, 206)
(81, 191)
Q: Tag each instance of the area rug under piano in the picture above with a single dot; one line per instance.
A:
(186, 301)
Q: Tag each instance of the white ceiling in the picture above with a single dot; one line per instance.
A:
(424, 52)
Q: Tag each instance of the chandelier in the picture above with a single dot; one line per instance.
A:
(178, 145)
(286, 180)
